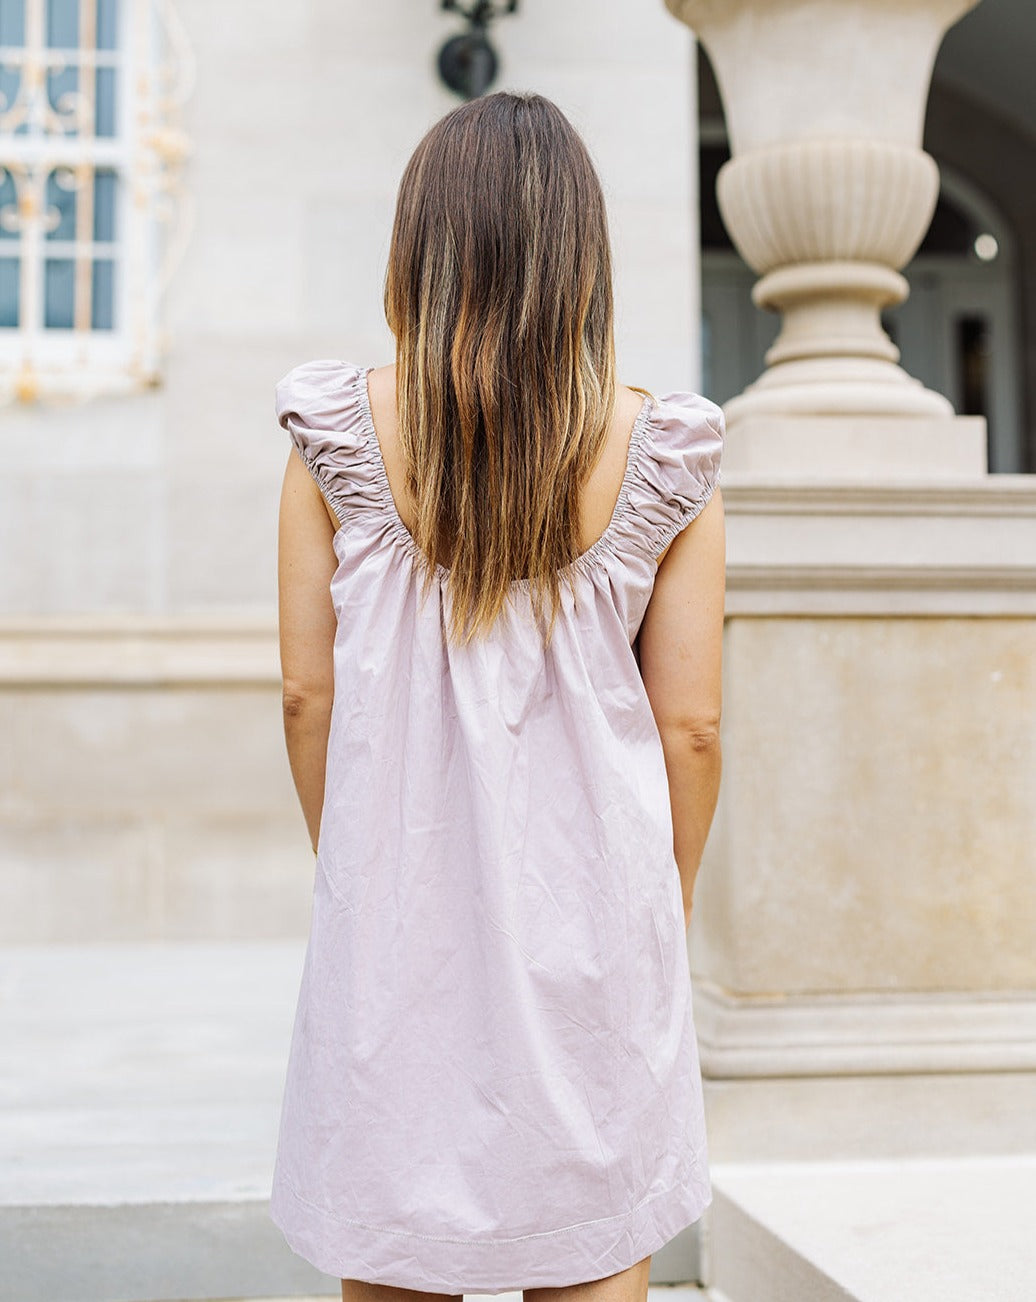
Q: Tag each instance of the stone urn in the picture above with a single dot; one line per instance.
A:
(827, 193)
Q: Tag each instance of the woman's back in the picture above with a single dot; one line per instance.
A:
(493, 1079)
(599, 494)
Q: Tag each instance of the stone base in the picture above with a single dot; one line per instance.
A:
(855, 448)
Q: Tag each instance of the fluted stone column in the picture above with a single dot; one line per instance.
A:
(828, 192)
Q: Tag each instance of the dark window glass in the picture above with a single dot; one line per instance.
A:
(59, 293)
(62, 23)
(973, 365)
(10, 276)
(62, 83)
(8, 205)
(104, 124)
(61, 197)
(104, 204)
(12, 22)
(103, 312)
(107, 19)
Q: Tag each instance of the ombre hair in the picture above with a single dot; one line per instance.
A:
(499, 294)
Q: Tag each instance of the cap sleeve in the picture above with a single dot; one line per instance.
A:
(677, 466)
(322, 406)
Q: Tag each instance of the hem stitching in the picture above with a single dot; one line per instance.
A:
(482, 1243)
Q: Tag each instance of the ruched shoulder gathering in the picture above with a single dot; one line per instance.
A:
(672, 467)
(322, 405)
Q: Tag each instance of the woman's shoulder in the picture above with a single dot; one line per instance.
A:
(324, 407)
(684, 430)
(322, 393)
(674, 464)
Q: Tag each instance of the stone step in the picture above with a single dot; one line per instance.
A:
(955, 1229)
(140, 1090)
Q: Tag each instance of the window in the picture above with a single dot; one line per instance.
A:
(89, 158)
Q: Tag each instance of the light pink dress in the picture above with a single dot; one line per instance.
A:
(493, 1080)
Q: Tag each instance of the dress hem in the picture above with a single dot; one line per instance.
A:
(593, 1249)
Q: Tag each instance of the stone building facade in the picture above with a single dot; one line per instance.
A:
(206, 201)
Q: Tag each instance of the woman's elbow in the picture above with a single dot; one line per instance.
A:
(301, 700)
(700, 735)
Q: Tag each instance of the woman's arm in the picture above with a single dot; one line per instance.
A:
(681, 644)
(306, 562)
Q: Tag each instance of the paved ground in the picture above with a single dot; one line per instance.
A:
(140, 1088)
(657, 1293)
(139, 1096)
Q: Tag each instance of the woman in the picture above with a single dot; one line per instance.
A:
(502, 719)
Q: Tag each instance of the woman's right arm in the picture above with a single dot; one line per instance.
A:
(681, 644)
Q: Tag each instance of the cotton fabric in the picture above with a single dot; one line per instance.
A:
(493, 1079)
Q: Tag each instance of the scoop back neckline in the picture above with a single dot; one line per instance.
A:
(584, 561)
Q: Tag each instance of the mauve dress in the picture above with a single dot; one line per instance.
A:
(493, 1079)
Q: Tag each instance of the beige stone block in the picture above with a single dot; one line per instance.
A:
(222, 550)
(219, 403)
(393, 31)
(111, 433)
(70, 877)
(80, 541)
(237, 878)
(243, 29)
(85, 651)
(876, 828)
(244, 262)
(345, 258)
(969, 1114)
(655, 341)
(154, 874)
(112, 753)
(614, 39)
(355, 153)
(806, 448)
(149, 812)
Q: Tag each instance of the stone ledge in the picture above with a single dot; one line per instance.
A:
(138, 650)
(902, 591)
(785, 494)
(881, 548)
(848, 446)
(830, 1035)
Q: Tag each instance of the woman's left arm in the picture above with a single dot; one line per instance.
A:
(306, 563)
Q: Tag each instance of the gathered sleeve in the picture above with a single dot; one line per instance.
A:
(676, 469)
(322, 405)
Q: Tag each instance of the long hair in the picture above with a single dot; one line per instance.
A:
(499, 295)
